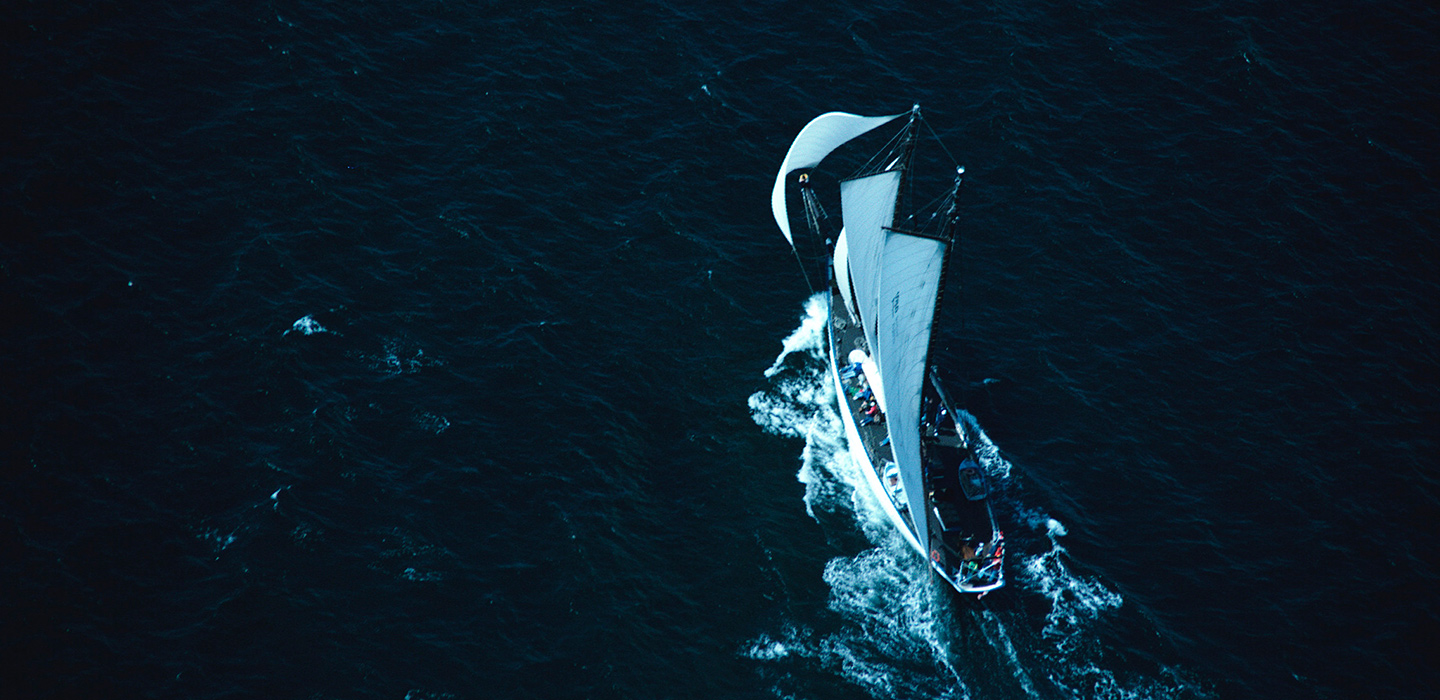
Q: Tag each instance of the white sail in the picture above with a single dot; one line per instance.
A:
(822, 135)
(909, 283)
(867, 206)
(842, 270)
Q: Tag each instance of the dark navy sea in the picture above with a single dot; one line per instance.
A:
(441, 350)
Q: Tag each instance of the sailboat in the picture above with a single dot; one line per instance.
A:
(886, 269)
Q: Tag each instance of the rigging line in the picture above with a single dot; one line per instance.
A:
(803, 271)
(813, 212)
(885, 153)
(942, 143)
(958, 251)
(933, 214)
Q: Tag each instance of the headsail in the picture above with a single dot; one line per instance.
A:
(822, 135)
(909, 283)
(842, 270)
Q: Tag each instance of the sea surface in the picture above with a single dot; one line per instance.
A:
(436, 350)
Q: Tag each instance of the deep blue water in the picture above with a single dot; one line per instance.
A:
(447, 350)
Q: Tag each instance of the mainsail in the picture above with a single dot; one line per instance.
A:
(822, 135)
(909, 282)
(867, 206)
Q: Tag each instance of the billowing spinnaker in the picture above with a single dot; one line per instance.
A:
(822, 135)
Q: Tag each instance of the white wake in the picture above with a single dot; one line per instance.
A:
(899, 626)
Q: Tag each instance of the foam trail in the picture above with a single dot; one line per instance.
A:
(306, 325)
(1074, 600)
(1016, 668)
(810, 336)
(895, 640)
(800, 404)
(986, 453)
(896, 645)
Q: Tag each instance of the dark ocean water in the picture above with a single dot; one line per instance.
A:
(420, 351)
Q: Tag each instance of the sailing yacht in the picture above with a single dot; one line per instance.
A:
(886, 269)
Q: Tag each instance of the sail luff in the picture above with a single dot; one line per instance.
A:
(818, 139)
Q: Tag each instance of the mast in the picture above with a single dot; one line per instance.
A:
(948, 233)
(911, 276)
(814, 214)
(907, 156)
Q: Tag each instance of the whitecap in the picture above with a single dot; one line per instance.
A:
(307, 325)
